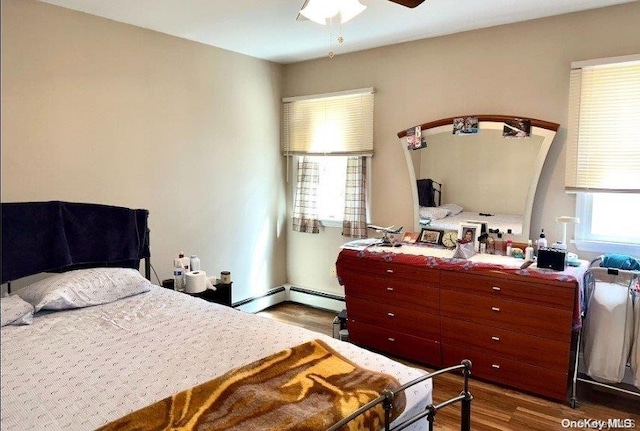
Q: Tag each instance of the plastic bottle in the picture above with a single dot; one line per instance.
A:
(499, 245)
(509, 246)
(185, 267)
(194, 263)
(542, 241)
(528, 252)
(178, 275)
(185, 261)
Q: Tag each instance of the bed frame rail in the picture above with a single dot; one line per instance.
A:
(386, 399)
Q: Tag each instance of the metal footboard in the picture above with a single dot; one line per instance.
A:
(386, 399)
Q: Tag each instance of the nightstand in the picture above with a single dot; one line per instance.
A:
(222, 294)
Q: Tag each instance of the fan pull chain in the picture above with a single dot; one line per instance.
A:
(331, 53)
(340, 39)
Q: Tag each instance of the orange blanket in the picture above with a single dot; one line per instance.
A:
(308, 387)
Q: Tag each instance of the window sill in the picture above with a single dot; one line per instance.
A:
(607, 247)
(331, 223)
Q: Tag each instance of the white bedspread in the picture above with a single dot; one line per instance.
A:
(80, 369)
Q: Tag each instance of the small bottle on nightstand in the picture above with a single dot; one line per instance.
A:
(194, 263)
(178, 275)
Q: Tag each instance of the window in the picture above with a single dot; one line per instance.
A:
(333, 135)
(331, 191)
(603, 153)
(609, 223)
(332, 175)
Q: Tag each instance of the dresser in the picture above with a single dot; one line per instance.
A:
(514, 325)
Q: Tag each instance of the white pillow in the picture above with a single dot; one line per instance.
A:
(433, 213)
(15, 311)
(453, 208)
(84, 287)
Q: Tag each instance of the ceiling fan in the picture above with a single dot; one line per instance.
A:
(349, 9)
(408, 3)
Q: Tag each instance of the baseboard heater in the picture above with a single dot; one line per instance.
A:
(264, 295)
(316, 293)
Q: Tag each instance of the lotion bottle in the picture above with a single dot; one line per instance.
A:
(194, 263)
(528, 252)
(542, 241)
(509, 246)
(185, 261)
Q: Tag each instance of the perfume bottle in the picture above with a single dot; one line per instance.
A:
(499, 245)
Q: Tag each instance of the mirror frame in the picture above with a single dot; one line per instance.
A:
(546, 129)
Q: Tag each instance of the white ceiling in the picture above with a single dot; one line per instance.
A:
(268, 29)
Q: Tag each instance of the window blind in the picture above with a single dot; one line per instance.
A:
(603, 141)
(329, 124)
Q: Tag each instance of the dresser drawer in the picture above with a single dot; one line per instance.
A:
(515, 316)
(547, 293)
(413, 273)
(393, 291)
(395, 343)
(529, 378)
(391, 316)
(533, 350)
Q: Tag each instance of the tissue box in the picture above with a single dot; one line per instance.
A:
(552, 258)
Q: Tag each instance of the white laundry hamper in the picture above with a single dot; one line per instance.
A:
(610, 327)
(635, 350)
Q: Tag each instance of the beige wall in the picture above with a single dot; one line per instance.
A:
(519, 69)
(98, 111)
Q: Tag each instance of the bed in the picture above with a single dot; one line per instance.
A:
(97, 344)
(433, 214)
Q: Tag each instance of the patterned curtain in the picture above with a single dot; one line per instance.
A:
(355, 200)
(305, 207)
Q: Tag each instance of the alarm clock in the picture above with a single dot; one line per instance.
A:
(449, 238)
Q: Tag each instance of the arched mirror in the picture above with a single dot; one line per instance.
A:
(489, 167)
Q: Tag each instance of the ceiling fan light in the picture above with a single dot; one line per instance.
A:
(350, 9)
(321, 10)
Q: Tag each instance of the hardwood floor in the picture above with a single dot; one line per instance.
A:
(493, 407)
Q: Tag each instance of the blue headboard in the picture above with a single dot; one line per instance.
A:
(58, 236)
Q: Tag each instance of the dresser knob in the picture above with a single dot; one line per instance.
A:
(495, 338)
(496, 366)
(391, 339)
(495, 309)
(496, 288)
(390, 271)
(391, 315)
(390, 289)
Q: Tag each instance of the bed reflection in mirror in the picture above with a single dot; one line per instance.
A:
(484, 172)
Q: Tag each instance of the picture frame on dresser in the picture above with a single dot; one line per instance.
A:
(474, 229)
(430, 236)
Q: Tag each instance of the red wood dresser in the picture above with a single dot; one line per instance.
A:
(514, 324)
